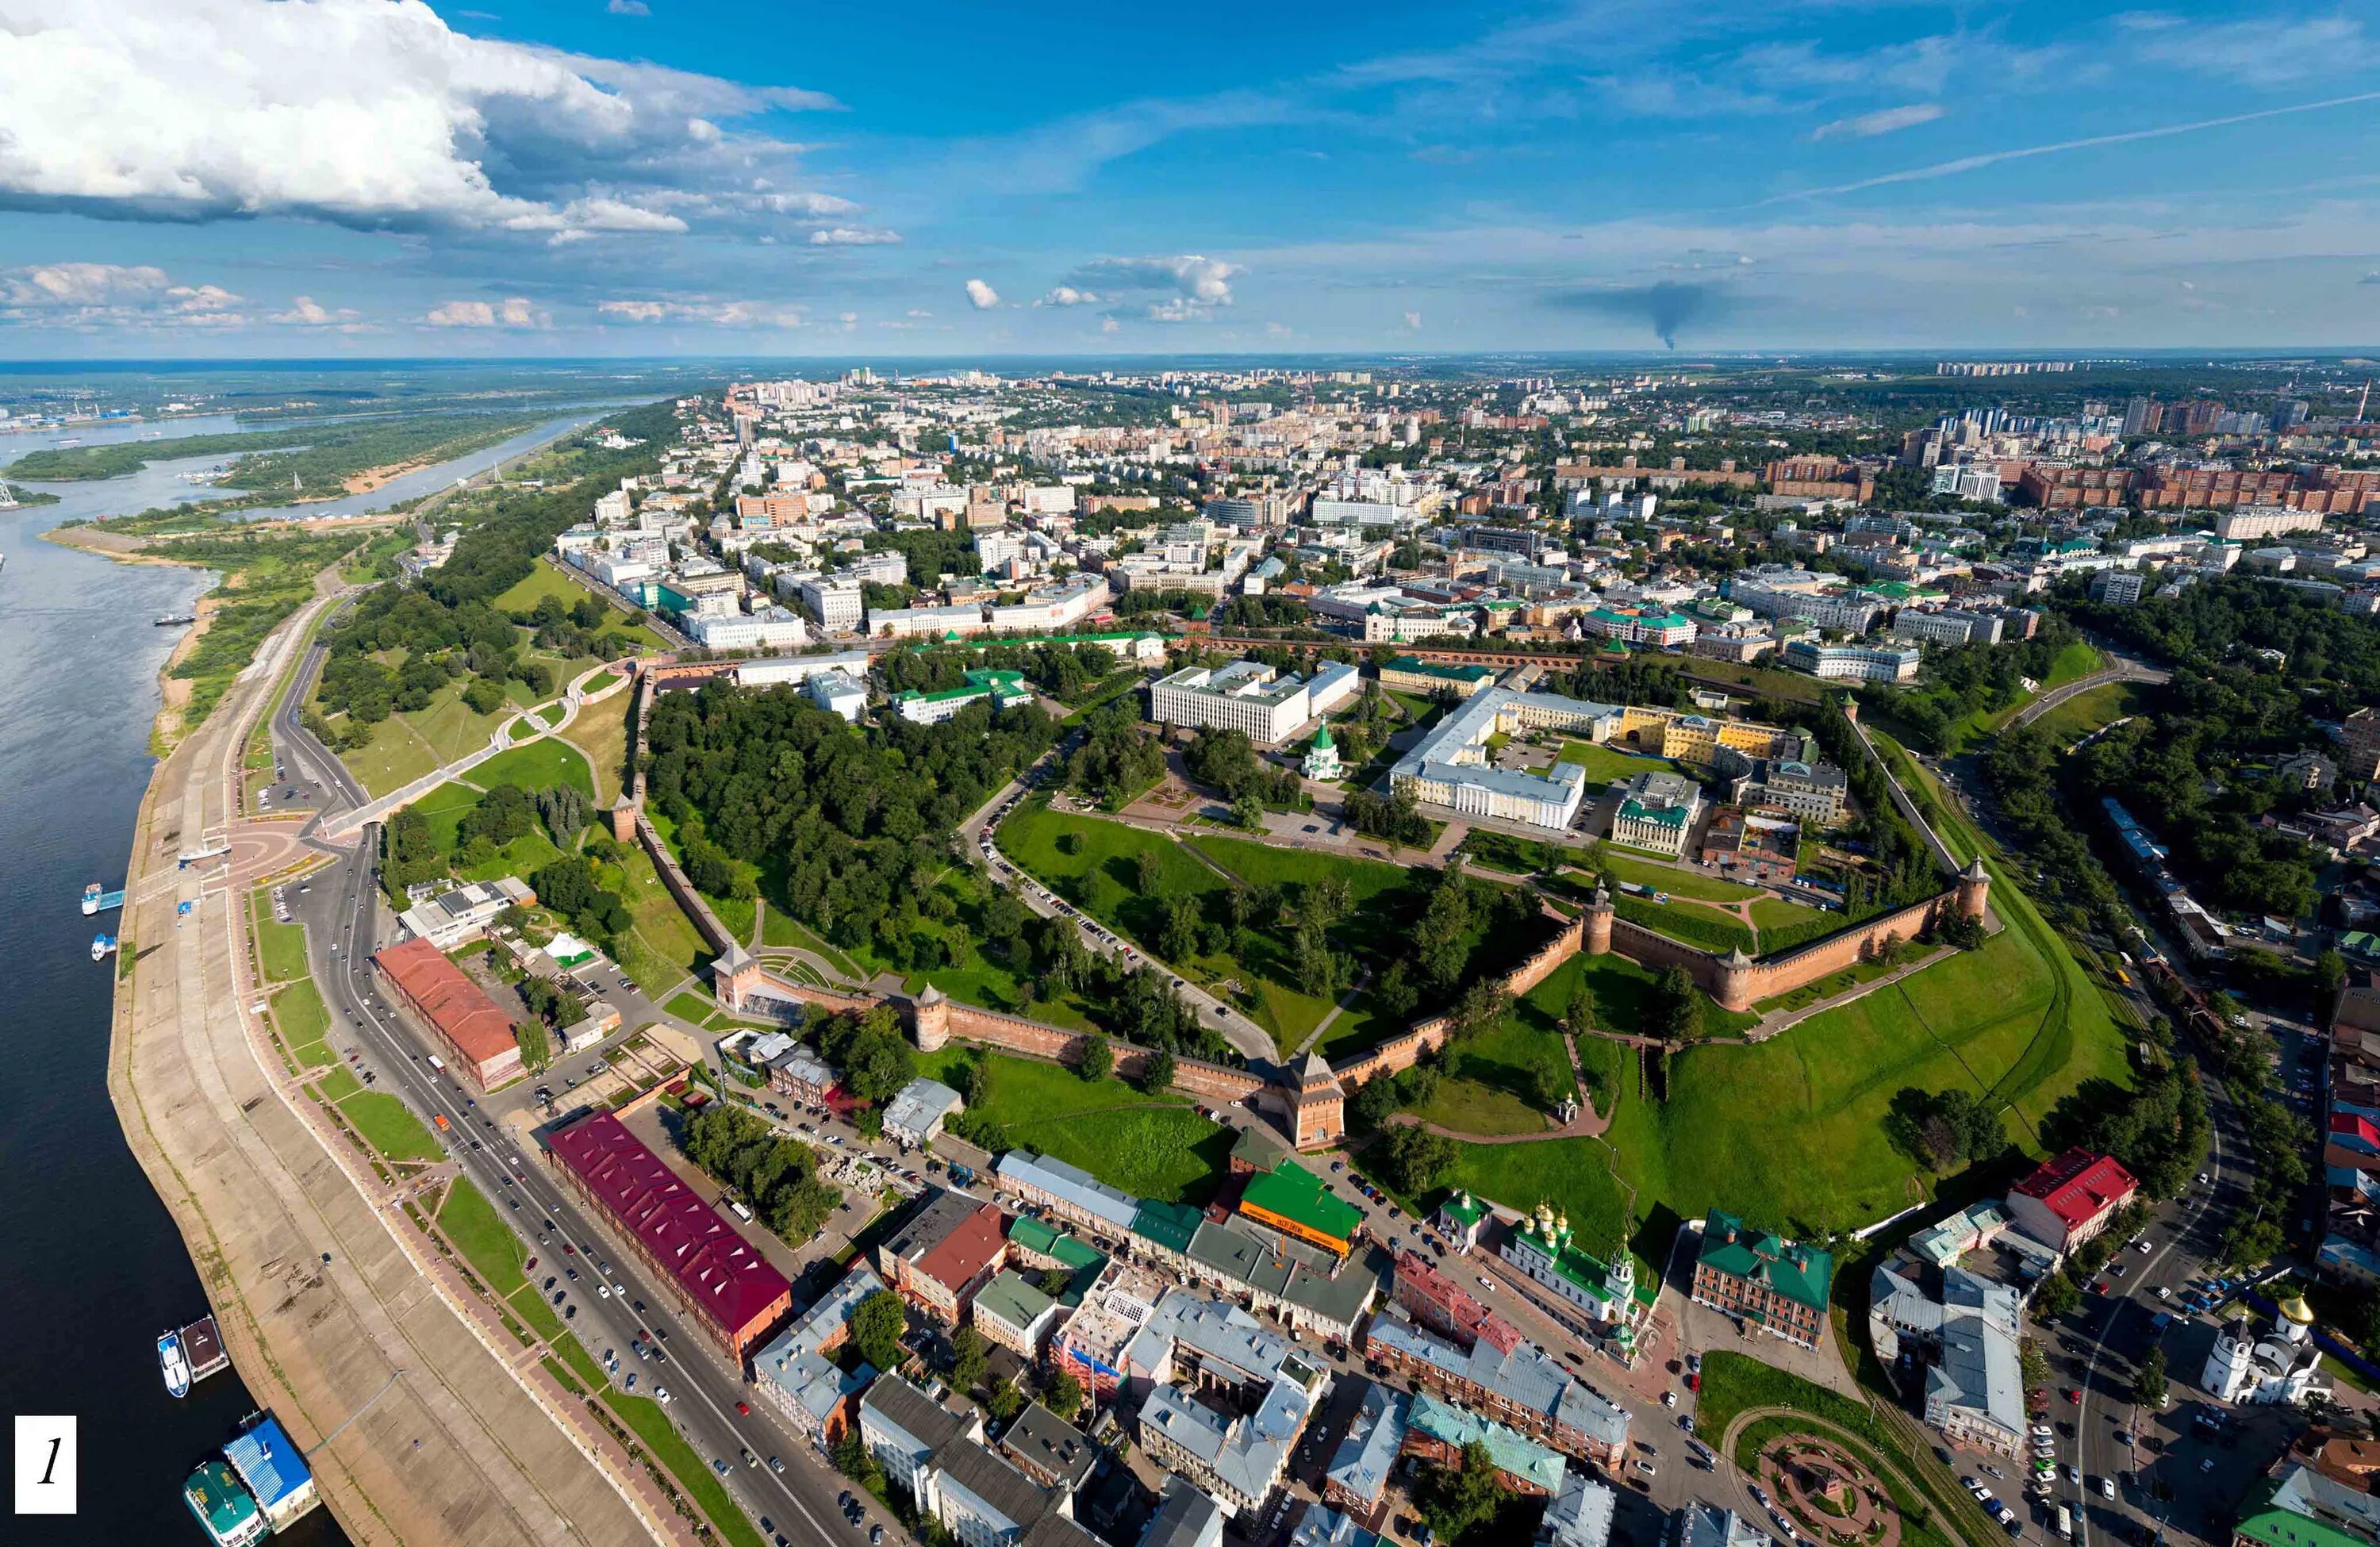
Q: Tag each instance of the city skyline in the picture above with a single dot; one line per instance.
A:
(356, 177)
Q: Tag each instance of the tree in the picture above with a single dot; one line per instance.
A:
(855, 1461)
(1098, 1060)
(2057, 1296)
(1413, 1159)
(1004, 1401)
(968, 1358)
(876, 1327)
(1063, 1395)
(1156, 1072)
(536, 1047)
(1578, 1015)
(1454, 1501)
(1675, 1012)
(2149, 1385)
(1249, 812)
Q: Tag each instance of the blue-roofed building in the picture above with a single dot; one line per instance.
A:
(1439, 1431)
(1580, 1514)
(1357, 1479)
(1068, 1190)
(1710, 1525)
(275, 1472)
(1524, 1387)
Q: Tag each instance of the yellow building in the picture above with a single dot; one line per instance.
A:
(1691, 738)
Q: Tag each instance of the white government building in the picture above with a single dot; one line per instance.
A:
(1246, 696)
(1451, 766)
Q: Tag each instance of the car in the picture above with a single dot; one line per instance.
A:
(2141, 1245)
(570, 1273)
(1693, 1381)
(842, 1500)
(638, 1305)
(1485, 1283)
(2207, 1464)
(662, 1395)
(744, 1409)
(1978, 1490)
(767, 1525)
(776, 1464)
(1686, 1422)
(1669, 1399)
(746, 1452)
(630, 1385)
(2203, 1177)
(1757, 1496)
(2106, 1488)
(2163, 1292)
(1647, 1468)
(570, 1313)
(875, 1536)
(549, 1281)
(559, 1295)
(719, 1465)
(2074, 1395)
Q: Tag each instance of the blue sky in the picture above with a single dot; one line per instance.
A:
(314, 177)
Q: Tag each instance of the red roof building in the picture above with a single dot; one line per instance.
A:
(478, 1034)
(944, 1253)
(1445, 1307)
(2068, 1199)
(724, 1284)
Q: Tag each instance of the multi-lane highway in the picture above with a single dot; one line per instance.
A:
(346, 920)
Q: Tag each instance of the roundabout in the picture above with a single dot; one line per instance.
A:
(1829, 1496)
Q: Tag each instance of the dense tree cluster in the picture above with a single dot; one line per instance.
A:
(2159, 1130)
(869, 1052)
(777, 1177)
(851, 827)
(571, 888)
(1968, 679)
(1460, 1504)
(1063, 669)
(1904, 872)
(2332, 657)
(1227, 760)
(1395, 817)
(1117, 758)
(1945, 1131)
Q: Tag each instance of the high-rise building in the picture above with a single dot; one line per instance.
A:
(2143, 416)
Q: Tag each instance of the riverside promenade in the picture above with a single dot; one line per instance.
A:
(416, 1427)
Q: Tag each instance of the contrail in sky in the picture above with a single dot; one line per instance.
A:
(1988, 158)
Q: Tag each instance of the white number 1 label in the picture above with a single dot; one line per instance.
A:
(46, 1464)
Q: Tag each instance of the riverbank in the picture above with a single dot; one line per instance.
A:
(415, 1428)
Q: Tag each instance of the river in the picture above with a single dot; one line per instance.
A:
(96, 1268)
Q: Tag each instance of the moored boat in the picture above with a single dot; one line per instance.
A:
(170, 1359)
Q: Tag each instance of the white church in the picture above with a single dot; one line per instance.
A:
(2283, 1367)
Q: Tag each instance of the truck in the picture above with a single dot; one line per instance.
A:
(2066, 1522)
(437, 1062)
(440, 1118)
(736, 1206)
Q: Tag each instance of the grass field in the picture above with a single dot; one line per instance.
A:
(651, 1425)
(298, 1011)
(390, 1128)
(1677, 882)
(481, 1236)
(599, 682)
(2087, 711)
(338, 1085)
(530, 852)
(661, 947)
(602, 732)
(280, 948)
(780, 928)
(1692, 922)
(2016, 1020)
(1150, 1146)
(405, 747)
(1605, 764)
(444, 809)
(539, 765)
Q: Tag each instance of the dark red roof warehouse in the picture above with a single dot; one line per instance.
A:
(719, 1277)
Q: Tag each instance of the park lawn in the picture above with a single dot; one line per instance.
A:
(661, 947)
(2087, 711)
(1605, 765)
(782, 929)
(338, 1085)
(525, 855)
(597, 683)
(298, 1011)
(1624, 866)
(1150, 1146)
(645, 1418)
(394, 757)
(313, 1055)
(519, 730)
(692, 1006)
(541, 764)
(1268, 865)
(1776, 913)
(389, 1128)
(551, 715)
(602, 733)
(444, 809)
(1468, 1106)
(1826, 987)
(542, 582)
(529, 1304)
(1692, 922)
(589, 1369)
(483, 1239)
(280, 948)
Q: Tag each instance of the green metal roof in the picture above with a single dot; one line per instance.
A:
(216, 1497)
(1013, 1300)
(1295, 1193)
(1801, 1273)
(1169, 1225)
(2273, 1527)
(1419, 668)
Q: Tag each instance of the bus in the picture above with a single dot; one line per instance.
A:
(2066, 1522)
(737, 1205)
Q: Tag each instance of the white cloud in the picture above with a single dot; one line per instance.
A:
(1412, 320)
(1066, 295)
(1109, 324)
(629, 7)
(306, 313)
(1194, 278)
(1179, 309)
(982, 297)
(1883, 121)
(513, 312)
(90, 295)
(2259, 51)
(369, 112)
(855, 235)
(717, 313)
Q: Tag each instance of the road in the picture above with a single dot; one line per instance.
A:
(1252, 1041)
(2126, 669)
(346, 920)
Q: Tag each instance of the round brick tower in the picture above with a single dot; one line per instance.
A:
(1974, 890)
(1733, 990)
(1596, 924)
(929, 1018)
